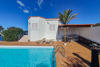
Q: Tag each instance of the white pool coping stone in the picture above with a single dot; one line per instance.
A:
(2, 46)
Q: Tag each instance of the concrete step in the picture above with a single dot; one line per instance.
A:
(25, 38)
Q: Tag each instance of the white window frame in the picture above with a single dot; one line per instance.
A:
(51, 26)
(35, 26)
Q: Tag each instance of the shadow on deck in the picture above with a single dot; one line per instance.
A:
(84, 60)
(84, 45)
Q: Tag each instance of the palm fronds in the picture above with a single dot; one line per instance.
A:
(67, 16)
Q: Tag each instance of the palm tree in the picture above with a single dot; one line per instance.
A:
(66, 18)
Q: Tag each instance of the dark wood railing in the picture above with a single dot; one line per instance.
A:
(87, 41)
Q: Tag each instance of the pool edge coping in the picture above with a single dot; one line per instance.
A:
(6, 46)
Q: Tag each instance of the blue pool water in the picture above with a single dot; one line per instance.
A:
(26, 57)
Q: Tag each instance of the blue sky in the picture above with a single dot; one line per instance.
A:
(16, 12)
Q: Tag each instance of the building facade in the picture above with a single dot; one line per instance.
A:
(39, 28)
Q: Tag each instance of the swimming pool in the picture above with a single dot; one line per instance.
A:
(27, 56)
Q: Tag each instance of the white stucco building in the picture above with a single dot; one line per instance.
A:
(39, 28)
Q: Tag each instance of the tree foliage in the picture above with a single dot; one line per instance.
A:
(67, 16)
(1, 28)
(97, 24)
(11, 34)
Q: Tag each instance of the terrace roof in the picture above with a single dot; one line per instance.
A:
(75, 25)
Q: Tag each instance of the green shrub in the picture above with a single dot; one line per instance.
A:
(97, 24)
(1, 28)
(11, 34)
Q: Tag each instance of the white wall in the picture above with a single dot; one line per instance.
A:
(69, 30)
(29, 33)
(34, 34)
(51, 34)
(42, 24)
(92, 33)
(43, 31)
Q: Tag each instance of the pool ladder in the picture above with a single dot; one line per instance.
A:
(57, 49)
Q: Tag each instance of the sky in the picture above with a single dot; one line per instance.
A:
(16, 12)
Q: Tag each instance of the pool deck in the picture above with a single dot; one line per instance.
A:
(73, 49)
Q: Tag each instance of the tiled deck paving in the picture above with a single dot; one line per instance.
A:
(72, 49)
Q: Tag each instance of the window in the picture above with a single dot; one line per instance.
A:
(35, 26)
(51, 26)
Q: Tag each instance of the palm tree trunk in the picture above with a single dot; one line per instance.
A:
(65, 35)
